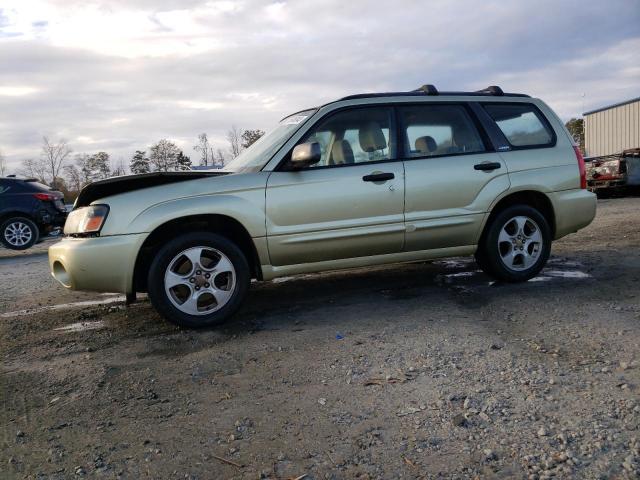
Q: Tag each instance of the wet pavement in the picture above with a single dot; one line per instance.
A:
(402, 371)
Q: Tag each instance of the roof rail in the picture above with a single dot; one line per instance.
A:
(492, 90)
(428, 89)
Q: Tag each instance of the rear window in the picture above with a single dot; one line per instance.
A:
(522, 124)
(37, 186)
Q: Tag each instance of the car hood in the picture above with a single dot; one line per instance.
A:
(128, 183)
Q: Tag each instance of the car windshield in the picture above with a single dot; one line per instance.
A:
(257, 155)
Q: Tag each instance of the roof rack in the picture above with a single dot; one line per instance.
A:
(427, 89)
(492, 90)
(431, 90)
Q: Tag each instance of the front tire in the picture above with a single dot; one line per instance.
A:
(19, 233)
(198, 280)
(516, 244)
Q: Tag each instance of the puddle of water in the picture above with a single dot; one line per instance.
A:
(81, 326)
(282, 279)
(540, 279)
(458, 263)
(565, 274)
(461, 274)
(62, 306)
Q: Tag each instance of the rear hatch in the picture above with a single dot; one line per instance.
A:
(46, 195)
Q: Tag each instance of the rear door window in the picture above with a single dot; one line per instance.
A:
(522, 124)
(435, 130)
(5, 186)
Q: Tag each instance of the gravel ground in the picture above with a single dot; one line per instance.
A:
(428, 370)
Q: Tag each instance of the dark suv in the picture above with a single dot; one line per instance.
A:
(28, 211)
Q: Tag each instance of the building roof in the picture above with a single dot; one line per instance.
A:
(612, 106)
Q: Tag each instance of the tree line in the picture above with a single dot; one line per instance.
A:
(58, 168)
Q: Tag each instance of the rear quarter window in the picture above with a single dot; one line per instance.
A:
(36, 186)
(522, 124)
(10, 186)
(21, 186)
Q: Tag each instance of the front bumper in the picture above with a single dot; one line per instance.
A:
(103, 264)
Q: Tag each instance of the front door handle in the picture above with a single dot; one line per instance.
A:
(378, 177)
(486, 166)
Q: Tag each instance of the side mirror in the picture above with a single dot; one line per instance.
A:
(306, 154)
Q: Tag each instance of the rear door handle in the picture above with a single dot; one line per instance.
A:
(487, 166)
(378, 177)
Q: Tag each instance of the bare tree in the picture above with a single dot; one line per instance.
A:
(54, 156)
(3, 165)
(34, 168)
(120, 168)
(234, 137)
(206, 150)
(84, 167)
(219, 158)
(164, 155)
(73, 177)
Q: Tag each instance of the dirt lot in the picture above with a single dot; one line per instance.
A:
(411, 371)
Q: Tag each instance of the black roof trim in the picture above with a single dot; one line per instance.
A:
(602, 109)
(430, 90)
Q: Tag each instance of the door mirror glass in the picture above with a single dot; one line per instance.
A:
(306, 154)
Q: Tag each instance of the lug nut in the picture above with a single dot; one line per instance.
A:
(197, 287)
(207, 285)
(198, 272)
(207, 275)
(191, 280)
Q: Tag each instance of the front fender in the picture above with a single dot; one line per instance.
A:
(248, 211)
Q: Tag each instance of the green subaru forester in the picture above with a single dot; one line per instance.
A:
(366, 180)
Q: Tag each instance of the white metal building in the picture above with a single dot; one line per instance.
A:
(612, 129)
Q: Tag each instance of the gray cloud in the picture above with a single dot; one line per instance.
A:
(249, 64)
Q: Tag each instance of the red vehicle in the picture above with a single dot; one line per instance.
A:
(614, 171)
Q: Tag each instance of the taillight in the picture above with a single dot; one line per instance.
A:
(46, 197)
(583, 170)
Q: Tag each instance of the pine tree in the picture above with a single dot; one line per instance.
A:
(99, 166)
(139, 163)
(183, 162)
(249, 137)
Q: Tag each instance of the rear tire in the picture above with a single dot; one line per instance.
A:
(515, 245)
(19, 233)
(198, 280)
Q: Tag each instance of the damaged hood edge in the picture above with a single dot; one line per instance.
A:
(128, 183)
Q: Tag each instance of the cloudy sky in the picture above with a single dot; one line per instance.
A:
(118, 75)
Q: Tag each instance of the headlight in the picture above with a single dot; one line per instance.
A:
(86, 220)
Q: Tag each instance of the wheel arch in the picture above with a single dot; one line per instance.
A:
(223, 225)
(534, 198)
(17, 213)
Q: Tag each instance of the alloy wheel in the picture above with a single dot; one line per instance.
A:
(520, 243)
(200, 280)
(18, 234)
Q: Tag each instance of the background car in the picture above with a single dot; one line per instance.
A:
(29, 211)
